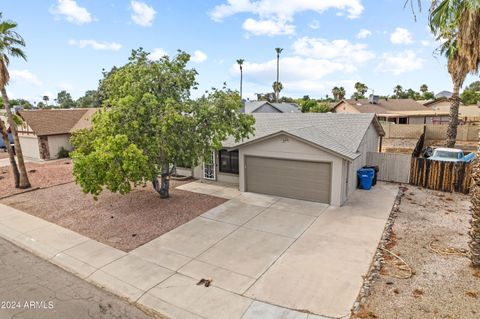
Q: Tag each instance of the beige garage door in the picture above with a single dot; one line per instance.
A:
(288, 178)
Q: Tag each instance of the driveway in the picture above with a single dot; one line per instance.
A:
(291, 253)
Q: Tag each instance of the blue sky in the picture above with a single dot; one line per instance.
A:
(326, 43)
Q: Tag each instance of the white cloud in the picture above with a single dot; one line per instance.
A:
(400, 62)
(72, 12)
(425, 43)
(143, 14)
(268, 27)
(364, 33)
(25, 76)
(314, 25)
(279, 14)
(198, 57)
(157, 53)
(111, 46)
(65, 86)
(337, 50)
(401, 36)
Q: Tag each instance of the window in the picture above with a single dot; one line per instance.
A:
(402, 120)
(228, 161)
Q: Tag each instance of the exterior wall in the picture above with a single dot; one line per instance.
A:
(289, 148)
(29, 144)
(56, 142)
(345, 108)
(369, 144)
(266, 109)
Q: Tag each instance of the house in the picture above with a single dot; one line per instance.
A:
(465, 112)
(269, 107)
(398, 111)
(311, 156)
(443, 94)
(44, 133)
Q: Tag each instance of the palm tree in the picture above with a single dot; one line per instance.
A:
(341, 93)
(10, 45)
(424, 88)
(46, 99)
(398, 90)
(240, 64)
(277, 83)
(335, 93)
(277, 87)
(361, 89)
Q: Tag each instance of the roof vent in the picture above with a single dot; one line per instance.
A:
(373, 99)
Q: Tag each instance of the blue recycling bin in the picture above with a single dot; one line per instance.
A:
(365, 177)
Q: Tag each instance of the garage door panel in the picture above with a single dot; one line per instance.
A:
(288, 178)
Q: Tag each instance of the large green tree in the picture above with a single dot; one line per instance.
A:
(361, 90)
(151, 123)
(11, 45)
(64, 100)
(91, 99)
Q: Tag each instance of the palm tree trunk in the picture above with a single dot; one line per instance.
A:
(453, 123)
(23, 180)
(241, 83)
(277, 93)
(11, 156)
(474, 232)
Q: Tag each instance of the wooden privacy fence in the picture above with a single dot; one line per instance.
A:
(393, 167)
(442, 176)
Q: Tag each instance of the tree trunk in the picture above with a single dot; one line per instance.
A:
(11, 155)
(474, 232)
(277, 93)
(163, 187)
(241, 83)
(453, 123)
(24, 182)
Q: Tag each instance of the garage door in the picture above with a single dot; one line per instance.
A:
(288, 178)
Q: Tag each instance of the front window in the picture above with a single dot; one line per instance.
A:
(228, 161)
(447, 154)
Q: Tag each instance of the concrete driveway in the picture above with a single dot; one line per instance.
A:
(291, 253)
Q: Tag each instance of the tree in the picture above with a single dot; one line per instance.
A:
(270, 97)
(307, 105)
(46, 99)
(341, 93)
(277, 86)
(423, 88)
(11, 44)
(398, 91)
(474, 86)
(64, 100)
(152, 124)
(321, 107)
(335, 93)
(91, 99)
(470, 97)
(240, 64)
(41, 105)
(428, 96)
(361, 90)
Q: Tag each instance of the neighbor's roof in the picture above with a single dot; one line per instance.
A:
(446, 94)
(336, 133)
(251, 107)
(54, 122)
(384, 106)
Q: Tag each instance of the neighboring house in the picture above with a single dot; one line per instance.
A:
(443, 94)
(312, 156)
(44, 132)
(465, 112)
(269, 107)
(399, 111)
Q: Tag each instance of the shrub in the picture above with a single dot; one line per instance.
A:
(63, 153)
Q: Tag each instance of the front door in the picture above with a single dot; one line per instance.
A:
(209, 168)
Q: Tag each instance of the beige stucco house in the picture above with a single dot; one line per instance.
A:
(398, 111)
(310, 156)
(45, 132)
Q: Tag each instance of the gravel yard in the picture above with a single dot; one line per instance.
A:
(430, 235)
(121, 221)
(40, 175)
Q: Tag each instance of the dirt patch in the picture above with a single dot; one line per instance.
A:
(121, 221)
(3, 154)
(40, 175)
(430, 234)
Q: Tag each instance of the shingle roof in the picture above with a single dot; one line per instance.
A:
(385, 106)
(251, 107)
(54, 122)
(337, 133)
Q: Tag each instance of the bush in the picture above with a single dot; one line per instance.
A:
(63, 153)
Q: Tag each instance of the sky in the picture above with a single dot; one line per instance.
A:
(325, 43)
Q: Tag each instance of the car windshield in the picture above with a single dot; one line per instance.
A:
(446, 154)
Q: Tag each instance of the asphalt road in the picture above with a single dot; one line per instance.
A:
(32, 288)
